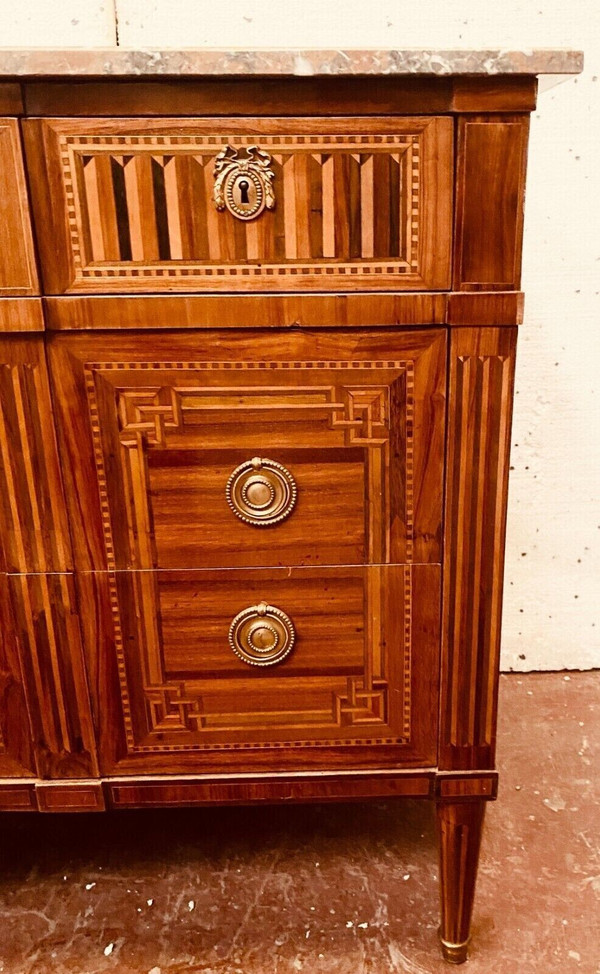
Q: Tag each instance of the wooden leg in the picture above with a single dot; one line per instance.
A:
(459, 827)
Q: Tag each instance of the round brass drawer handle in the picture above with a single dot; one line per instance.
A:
(261, 492)
(262, 635)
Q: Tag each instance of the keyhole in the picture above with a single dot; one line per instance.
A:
(244, 187)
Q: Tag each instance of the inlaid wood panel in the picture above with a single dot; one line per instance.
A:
(18, 273)
(480, 410)
(152, 428)
(490, 195)
(42, 626)
(48, 635)
(128, 204)
(34, 534)
(357, 688)
(16, 748)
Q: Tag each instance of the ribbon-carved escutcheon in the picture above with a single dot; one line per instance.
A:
(244, 186)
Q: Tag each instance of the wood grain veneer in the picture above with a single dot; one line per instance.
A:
(18, 274)
(21, 315)
(151, 312)
(269, 97)
(490, 191)
(11, 101)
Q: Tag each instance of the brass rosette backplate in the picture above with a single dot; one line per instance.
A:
(261, 492)
(262, 635)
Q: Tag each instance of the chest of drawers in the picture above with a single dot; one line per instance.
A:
(258, 342)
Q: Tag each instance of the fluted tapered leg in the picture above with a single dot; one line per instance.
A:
(459, 828)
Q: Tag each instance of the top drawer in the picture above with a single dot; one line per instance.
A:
(300, 203)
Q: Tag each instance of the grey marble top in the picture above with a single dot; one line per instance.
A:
(120, 62)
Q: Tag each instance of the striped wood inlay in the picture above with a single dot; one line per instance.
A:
(32, 518)
(478, 457)
(148, 201)
(37, 555)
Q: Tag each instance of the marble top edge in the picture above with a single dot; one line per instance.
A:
(122, 62)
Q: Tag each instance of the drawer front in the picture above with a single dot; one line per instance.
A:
(215, 450)
(241, 670)
(237, 204)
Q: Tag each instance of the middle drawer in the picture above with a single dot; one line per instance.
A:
(212, 449)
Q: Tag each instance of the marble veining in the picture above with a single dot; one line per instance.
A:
(115, 62)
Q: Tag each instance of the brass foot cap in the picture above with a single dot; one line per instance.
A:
(454, 953)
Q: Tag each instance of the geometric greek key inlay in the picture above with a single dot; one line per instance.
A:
(360, 704)
(356, 414)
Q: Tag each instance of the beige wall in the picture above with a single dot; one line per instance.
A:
(551, 617)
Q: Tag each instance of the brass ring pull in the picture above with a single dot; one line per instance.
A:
(261, 492)
(262, 635)
(243, 186)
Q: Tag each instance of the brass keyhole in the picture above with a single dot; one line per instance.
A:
(244, 186)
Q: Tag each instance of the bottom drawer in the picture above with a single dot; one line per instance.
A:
(281, 668)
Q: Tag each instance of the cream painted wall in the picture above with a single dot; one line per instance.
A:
(551, 617)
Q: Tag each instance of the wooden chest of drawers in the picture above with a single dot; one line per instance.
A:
(254, 435)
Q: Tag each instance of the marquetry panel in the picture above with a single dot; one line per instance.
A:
(48, 636)
(149, 443)
(34, 535)
(359, 203)
(359, 682)
(18, 275)
(42, 627)
(16, 749)
(480, 407)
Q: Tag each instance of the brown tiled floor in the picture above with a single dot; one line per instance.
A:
(343, 889)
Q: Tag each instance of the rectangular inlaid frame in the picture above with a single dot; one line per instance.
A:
(381, 714)
(170, 716)
(364, 405)
(112, 382)
(128, 205)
